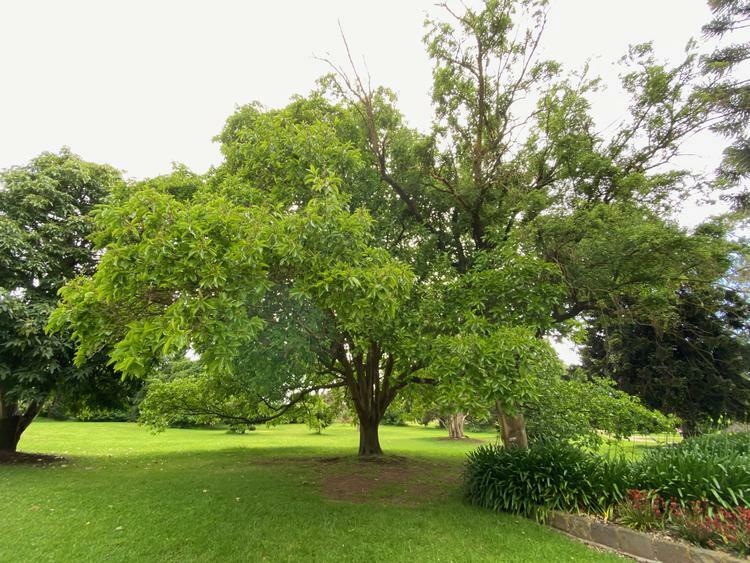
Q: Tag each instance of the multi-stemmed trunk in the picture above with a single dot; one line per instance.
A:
(13, 421)
(372, 389)
(370, 411)
(455, 425)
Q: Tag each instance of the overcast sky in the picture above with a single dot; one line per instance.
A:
(140, 84)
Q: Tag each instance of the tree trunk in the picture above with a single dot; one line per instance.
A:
(512, 429)
(455, 425)
(369, 441)
(10, 433)
(13, 421)
(372, 392)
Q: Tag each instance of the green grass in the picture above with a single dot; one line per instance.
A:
(634, 447)
(280, 494)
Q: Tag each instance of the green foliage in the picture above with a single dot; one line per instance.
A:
(555, 475)
(397, 414)
(550, 476)
(733, 530)
(718, 444)
(728, 91)
(320, 411)
(335, 246)
(45, 220)
(44, 228)
(690, 524)
(715, 469)
(692, 363)
(225, 264)
(180, 394)
(641, 511)
(507, 364)
(698, 522)
(580, 409)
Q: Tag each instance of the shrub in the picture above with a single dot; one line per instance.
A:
(700, 524)
(699, 476)
(579, 409)
(320, 414)
(697, 522)
(394, 418)
(236, 428)
(718, 444)
(550, 476)
(715, 468)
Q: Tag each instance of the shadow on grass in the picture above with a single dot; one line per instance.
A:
(304, 472)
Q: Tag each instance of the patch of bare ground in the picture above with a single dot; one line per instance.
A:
(465, 440)
(389, 480)
(18, 458)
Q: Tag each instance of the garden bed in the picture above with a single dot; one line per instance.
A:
(638, 545)
(697, 491)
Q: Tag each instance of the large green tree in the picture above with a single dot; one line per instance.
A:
(514, 161)
(336, 246)
(44, 224)
(694, 363)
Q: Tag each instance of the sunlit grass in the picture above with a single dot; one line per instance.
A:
(126, 494)
(635, 446)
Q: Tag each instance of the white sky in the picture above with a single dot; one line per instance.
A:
(140, 84)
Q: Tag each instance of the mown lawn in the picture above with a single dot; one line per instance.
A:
(634, 447)
(279, 494)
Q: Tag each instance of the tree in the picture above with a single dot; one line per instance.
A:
(337, 247)
(694, 364)
(579, 408)
(320, 412)
(515, 167)
(217, 275)
(44, 224)
(729, 92)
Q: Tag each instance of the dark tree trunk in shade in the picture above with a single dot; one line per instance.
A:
(369, 441)
(13, 421)
(368, 377)
(10, 433)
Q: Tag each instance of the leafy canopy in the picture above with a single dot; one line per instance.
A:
(336, 246)
(44, 228)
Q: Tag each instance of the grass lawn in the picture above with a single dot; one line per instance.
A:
(634, 447)
(279, 494)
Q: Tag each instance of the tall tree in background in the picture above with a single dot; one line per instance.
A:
(691, 358)
(44, 224)
(730, 90)
(694, 364)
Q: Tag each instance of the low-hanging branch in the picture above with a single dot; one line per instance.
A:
(281, 410)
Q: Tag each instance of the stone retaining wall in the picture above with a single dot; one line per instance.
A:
(640, 546)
